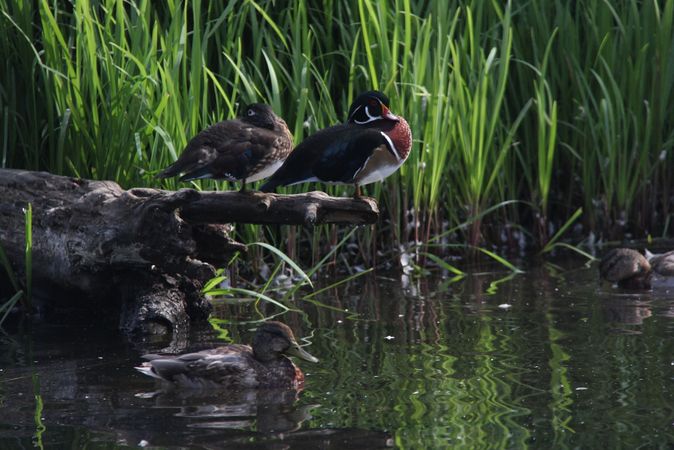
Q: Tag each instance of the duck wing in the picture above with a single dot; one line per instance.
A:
(334, 154)
(229, 366)
(229, 150)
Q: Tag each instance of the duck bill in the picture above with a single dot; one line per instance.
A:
(296, 350)
(387, 114)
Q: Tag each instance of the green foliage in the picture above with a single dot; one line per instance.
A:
(556, 104)
(282, 285)
(28, 255)
(9, 304)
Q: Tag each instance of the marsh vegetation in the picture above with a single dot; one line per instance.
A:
(526, 117)
(538, 125)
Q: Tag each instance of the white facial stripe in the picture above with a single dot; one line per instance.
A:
(354, 113)
(391, 146)
(370, 118)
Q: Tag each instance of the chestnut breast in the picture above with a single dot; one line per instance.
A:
(401, 136)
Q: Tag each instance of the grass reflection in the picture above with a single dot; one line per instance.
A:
(560, 389)
(448, 387)
(568, 365)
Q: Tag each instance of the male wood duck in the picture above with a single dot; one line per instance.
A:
(245, 149)
(370, 146)
(236, 366)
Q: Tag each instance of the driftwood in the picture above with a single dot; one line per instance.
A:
(141, 256)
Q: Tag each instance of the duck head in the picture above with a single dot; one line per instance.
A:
(371, 106)
(274, 339)
(260, 115)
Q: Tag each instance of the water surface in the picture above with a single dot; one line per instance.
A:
(547, 359)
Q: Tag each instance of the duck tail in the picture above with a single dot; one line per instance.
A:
(201, 172)
(170, 171)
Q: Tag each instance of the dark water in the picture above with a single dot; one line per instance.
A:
(545, 359)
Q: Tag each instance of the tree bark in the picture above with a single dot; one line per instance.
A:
(311, 208)
(141, 256)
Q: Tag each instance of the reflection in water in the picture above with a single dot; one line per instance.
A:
(571, 364)
(270, 410)
(627, 311)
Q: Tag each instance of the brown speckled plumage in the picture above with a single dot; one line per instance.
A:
(245, 149)
(235, 366)
(626, 267)
(662, 263)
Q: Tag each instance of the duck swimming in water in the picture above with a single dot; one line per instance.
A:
(264, 365)
(632, 270)
(662, 263)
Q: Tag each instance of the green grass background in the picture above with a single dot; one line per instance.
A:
(522, 113)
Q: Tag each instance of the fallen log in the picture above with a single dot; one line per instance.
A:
(311, 208)
(142, 255)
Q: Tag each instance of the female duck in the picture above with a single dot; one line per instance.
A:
(662, 263)
(626, 267)
(632, 270)
(245, 149)
(236, 366)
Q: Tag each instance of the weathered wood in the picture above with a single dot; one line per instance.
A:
(141, 256)
(312, 208)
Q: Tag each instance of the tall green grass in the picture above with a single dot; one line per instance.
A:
(559, 105)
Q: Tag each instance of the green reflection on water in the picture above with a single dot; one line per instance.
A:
(569, 364)
(460, 372)
(560, 389)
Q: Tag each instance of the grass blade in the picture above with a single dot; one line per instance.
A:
(285, 258)
(28, 212)
(499, 259)
(9, 305)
